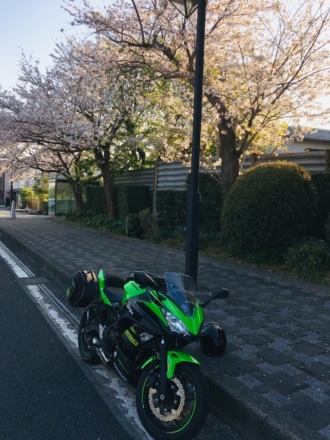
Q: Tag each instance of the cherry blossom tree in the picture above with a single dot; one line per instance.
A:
(38, 132)
(265, 61)
(87, 105)
(112, 101)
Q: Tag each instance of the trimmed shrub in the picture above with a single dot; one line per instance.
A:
(268, 209)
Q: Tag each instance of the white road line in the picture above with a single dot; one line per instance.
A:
(62, 324)
(20, 270)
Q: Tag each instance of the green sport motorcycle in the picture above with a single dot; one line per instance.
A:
(139, 326)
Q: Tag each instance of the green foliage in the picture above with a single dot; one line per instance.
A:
(171, 208)
(44, 207)
(40, 188)
(132, 199)
(84, 168)
(133, 227)
(309, 257)
(268, 209)
(99, 221)
(26, 194)
(327, 229)
(37, 197)
(210, 241)
(322, 183)
(148, 223)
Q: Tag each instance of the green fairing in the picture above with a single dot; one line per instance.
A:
(101, 281)
(132, 289)
(104, 298)
(193, 323)
(173, 359)
(176, 357)
(156, 310)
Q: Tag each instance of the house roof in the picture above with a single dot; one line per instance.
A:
(318, 134)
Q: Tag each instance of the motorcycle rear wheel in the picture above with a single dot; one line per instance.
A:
(186, 409)
(86, 332)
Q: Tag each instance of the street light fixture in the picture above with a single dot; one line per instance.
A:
(187, 7)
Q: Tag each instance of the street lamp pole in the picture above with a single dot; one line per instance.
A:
(192, 241)
(11, 192)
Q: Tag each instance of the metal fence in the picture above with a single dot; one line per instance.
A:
(174, 175)
(313, 161)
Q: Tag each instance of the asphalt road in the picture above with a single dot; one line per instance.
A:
(44, 394)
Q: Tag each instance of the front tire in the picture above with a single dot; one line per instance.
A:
(186, 409)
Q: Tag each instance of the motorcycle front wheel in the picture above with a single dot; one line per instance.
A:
(185, 410)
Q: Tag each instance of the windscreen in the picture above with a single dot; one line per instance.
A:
(181, 290)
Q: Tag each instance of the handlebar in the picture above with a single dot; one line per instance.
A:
(220, 294)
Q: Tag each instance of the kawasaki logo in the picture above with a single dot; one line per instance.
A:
(131, 338)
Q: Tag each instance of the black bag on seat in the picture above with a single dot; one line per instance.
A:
(82, 289)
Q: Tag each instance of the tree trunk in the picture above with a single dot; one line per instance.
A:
(229, 157)
(228, 153)
(102, 157)
(107, 182)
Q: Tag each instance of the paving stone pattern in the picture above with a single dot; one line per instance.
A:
(277, 363)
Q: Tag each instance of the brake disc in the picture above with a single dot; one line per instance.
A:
(174, 413)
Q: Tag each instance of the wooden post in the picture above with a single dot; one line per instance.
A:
(327, 161)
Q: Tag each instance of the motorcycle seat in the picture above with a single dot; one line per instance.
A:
(114, 287)
(114, 294)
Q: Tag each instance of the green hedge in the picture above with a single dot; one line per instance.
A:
(322, 183)
(132, 199)
(268, 209)
(309, 257)
(95, 199)
(211, 201)
(171, 208)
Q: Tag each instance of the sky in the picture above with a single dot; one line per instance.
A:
(34, 27)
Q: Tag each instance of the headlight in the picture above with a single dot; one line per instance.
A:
(175, 324)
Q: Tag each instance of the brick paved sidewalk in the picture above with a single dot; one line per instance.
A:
(274, 380)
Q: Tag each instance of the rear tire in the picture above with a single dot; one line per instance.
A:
(88, 329)
(186, 409)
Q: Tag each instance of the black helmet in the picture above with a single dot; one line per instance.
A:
(213, 339)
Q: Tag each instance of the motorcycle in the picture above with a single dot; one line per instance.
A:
(139, 325)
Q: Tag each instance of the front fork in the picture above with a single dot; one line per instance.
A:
(168, 360)
(163, 369)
